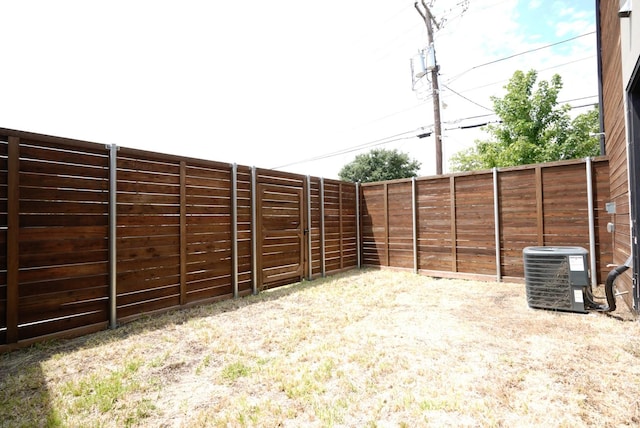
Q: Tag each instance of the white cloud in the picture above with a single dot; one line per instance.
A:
(534, 4)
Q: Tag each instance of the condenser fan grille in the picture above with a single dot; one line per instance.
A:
(555, 277)
(548, 283)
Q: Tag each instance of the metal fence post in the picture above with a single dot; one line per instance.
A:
(308, 229)
(592, 226)
(414, 214)
(358, 240)
(113, 293)
(496, 217)
(254, 231)
(322, 252)
(234, 228)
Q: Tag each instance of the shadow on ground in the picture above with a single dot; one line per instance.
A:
(25, 399)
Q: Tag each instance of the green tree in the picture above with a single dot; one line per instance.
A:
(379, 165)
(533, 128)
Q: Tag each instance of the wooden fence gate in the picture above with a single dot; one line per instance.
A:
(281, 234)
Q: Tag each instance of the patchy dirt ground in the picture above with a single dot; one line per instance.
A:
(369, 348)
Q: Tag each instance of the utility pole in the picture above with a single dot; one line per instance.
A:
(435, 88)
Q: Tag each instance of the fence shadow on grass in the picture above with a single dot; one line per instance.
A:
(25, 399)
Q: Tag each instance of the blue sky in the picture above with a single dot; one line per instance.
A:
(545, 21)
(274, 83)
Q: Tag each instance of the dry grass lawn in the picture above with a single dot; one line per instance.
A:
(370, 348)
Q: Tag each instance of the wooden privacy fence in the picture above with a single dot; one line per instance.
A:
(94, 235)
(475, 225)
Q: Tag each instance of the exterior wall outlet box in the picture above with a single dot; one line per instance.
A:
(610, 207)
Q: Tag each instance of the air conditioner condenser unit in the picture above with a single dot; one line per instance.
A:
(557, 278)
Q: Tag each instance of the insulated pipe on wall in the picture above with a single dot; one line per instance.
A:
(608, 285)
(592, 226)
(113, 292)
(234, 228)
(254, 232)
(496, 217)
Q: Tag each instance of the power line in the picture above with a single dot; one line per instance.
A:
(465, 98)
(421, 103)
(402, 136)
(522, 53)
(477, 125)
(374, 143)
(538, 71)
(423, 133)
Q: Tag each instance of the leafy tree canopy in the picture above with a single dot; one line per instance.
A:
(379, 165)
(533, 128)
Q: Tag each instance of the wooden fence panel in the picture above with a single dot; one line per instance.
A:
(566, 216)
(63, 250)
(340, 226)
(537, 205)
(434, 215)
(475, 225)
(332, 226)
(148, 233)
(281, 224)
(518, 218)
(315, 228)
(173, 238)
(208, 229)
(400, 224)
(245, 247)
(348, 220)
(374, 225)
(4, 193)
(175, 228)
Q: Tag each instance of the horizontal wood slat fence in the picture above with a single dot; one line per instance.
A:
(476, 225)
(95, 235)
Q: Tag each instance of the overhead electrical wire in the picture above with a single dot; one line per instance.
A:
(420, 104)
(374, 143)
(424, 133)
(521, 53)
(537, 71)
(467, 99)
(404, 136)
